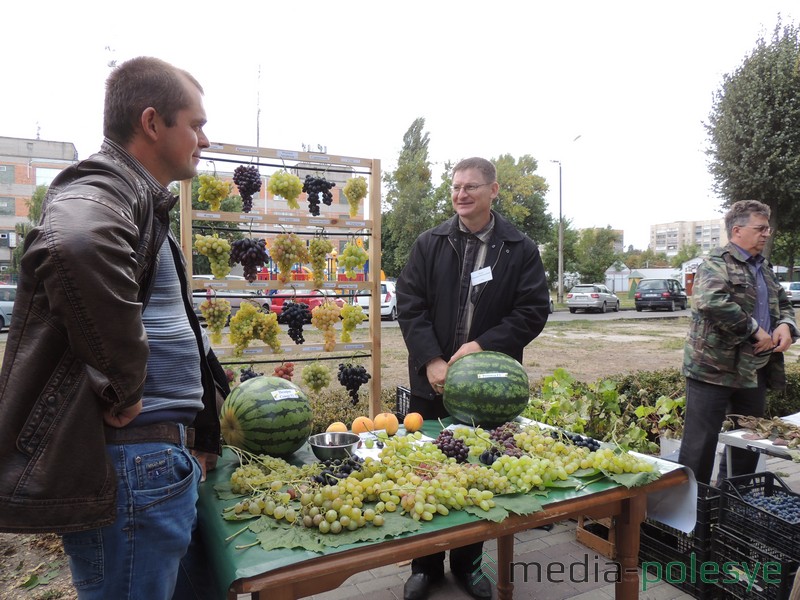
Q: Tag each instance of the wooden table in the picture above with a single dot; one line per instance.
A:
(322, 573)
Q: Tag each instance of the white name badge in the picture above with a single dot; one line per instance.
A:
(481, 275)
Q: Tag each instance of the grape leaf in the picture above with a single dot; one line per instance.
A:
(592, 472)
(297, 536)
(630, 480)
(496, 514)
(569, 482)
(520, 504)
(224, 491)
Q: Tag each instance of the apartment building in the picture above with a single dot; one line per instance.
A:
(669, 238)
(25, 164)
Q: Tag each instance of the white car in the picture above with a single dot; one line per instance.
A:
(8, 294)
(792, 291)
(388, 300)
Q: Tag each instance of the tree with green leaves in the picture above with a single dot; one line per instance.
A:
(22, 229)
(685, 252)
(550, 251)
(409, 198)
(754, 130)
(521, 198)
(595, 251)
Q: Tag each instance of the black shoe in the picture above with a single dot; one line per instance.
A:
(418, 586)
(475, 585)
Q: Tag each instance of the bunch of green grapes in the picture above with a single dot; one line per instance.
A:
(287, 186)
(216, 312)
(355, 190)
(218, 251)
(213, 190)
(316, 376)
(352, 257)
(286, 250)
(249, 324)
(352, 315)
(318, 251)
(324, 317)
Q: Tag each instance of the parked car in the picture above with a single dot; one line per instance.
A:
(234, 296)
(8, 294)
(388, 300)
(660, 293)
(594, 296)
(311, 297)
(792, 291)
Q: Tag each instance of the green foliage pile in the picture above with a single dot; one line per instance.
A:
(632, 410)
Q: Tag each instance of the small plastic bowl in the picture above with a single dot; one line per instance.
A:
(333, 445)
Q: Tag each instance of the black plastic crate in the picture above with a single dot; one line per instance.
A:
(700, 538)
(674, 564)
(402, 402)
(731, 548)
(740, 517)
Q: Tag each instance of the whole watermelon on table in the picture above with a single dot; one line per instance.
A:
(266, 415)
(486, 388)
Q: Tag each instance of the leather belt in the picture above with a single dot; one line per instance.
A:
(156, 432)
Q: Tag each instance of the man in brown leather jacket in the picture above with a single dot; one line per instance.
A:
(105, 379)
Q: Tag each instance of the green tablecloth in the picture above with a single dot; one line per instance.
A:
(230, 564)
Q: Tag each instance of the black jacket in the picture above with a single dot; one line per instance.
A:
(510, 311)
(77, 344)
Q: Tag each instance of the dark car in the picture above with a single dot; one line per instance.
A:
(660, 293)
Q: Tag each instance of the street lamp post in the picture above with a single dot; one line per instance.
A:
(560, 295)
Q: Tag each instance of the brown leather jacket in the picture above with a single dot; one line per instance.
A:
(77, 344)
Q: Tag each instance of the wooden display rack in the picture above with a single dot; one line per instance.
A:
(305, 225)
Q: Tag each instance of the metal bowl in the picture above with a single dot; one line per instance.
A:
(333, 445)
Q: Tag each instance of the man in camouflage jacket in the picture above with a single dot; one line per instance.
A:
(742, 322)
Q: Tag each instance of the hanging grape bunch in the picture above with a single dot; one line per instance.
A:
(284, 371)
(314, 187)
(287, 186)
(250, 323)
(288, 249)
(251, 254)
(324, 318)
(248, 180)
(295, 315)
(218, 251)
(352, 377)
(316, 376)
(352, 257)
(352, 315)
(318, 250)
(248, 373)
(213, 190)
(216, 312)
(355, 190)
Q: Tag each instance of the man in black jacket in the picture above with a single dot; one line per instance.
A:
(473, 283)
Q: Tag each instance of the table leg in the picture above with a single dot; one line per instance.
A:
(505, 555)
(628, 524)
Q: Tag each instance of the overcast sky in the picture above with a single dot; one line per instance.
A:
(618, 91)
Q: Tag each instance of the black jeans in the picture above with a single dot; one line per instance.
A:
(706, 407)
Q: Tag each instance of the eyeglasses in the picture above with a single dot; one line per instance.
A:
(469, 188)
(762, 229)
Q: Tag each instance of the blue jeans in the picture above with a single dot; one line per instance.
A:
(138, 556)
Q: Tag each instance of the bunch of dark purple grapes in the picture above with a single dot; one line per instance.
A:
(248, 373)
(352, 377)
(503, 438)
(251, 254)
(581, 441)
(314, 187)
(295, 315)
(451, 446)
(248, 180)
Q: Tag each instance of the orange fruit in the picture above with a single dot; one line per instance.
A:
(413, 422)
(362, 425)
(337, 426)
(387, 421)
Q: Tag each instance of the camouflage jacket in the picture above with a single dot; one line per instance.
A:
(718, 348)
